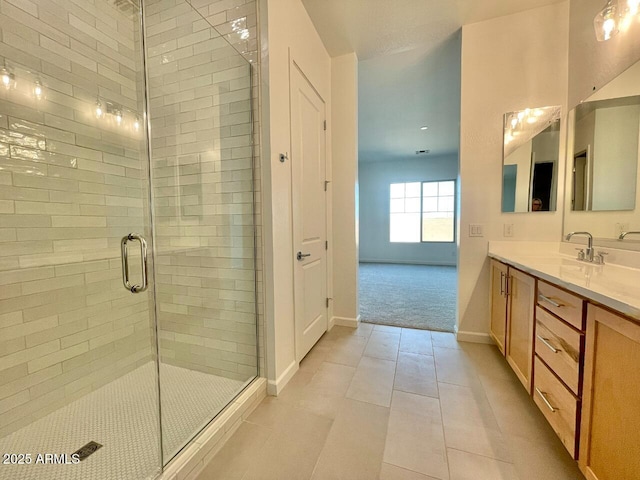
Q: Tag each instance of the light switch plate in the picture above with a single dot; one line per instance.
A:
(475, 230)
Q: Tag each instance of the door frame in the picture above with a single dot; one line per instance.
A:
(293, 64)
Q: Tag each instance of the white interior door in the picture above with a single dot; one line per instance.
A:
(308, 160)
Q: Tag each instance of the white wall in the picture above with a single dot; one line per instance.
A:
(344, 244)
(508, 64)
(287, 33)
(375, 178)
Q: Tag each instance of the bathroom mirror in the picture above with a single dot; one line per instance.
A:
(530, 160)
(602, 161)
(605, 154)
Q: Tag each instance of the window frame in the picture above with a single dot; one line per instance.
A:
(455, 216)
(421, 213)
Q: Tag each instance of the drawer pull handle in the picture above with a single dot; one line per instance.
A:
(546, 342)
(548, 300)
(545, 400)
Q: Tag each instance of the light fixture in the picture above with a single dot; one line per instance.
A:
(532, 120)
(7, 78)
(424, 127)
(514, 122)
(37, 90)
(633, 7)
(606, 22)
(99, 110)
(136, 124)
(118, 117)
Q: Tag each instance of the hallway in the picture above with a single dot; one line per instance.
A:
(396, 404)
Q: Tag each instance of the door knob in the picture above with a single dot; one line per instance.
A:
(300, 256)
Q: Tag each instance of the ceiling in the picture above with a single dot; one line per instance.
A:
(409, 52)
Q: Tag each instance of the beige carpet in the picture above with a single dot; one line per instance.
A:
(415, 296)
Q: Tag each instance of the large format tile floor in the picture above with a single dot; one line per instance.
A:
(396, 404)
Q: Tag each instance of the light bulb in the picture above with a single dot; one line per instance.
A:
(136, 124)
(119, 117)
(99, 111)
(532, 120)
(606, 22)
(514, 122)
(633, 6)
(608, 27)
(37, 90)
(520, 116)
(7, 78)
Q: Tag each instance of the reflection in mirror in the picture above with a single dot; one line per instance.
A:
(530, 159)
(602, 162)
(605, 154)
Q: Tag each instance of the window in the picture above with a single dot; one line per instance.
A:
(438, 206)
(422, 212)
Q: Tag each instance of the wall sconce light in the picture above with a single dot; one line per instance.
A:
(37, 90)
(633, 7)
(616, 15)
(606, 22)
(99, 110)
(7, 78)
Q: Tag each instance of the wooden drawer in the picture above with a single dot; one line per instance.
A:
(565, 305)
(559, 346)
(557, 404)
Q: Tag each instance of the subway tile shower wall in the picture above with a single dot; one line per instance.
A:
(200, 103)
(72, 184)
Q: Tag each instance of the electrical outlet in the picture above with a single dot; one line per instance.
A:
(475, 230)
(508, 230)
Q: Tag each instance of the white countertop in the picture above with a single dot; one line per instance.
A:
(614, 285)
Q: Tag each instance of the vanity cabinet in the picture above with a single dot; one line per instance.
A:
(512, 317)
(499, 273)
(610, 427)
(559, 352)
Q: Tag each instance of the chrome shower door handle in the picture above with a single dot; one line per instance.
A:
(125, 262)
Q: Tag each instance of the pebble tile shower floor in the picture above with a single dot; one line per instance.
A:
(122, 416)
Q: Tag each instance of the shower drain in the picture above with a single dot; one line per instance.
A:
(86, 450)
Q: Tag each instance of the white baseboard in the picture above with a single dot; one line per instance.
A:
(346, 322)
(474, 337)
(275, 387)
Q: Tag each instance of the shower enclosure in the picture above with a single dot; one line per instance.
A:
(127, 236)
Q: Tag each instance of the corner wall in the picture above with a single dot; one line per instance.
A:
(287, 33)
(508, 64)
(344, 188)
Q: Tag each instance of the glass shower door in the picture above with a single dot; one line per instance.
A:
(202, 183)
(78, 358)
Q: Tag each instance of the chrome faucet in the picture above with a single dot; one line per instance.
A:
(589, 253)
(624, 234)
